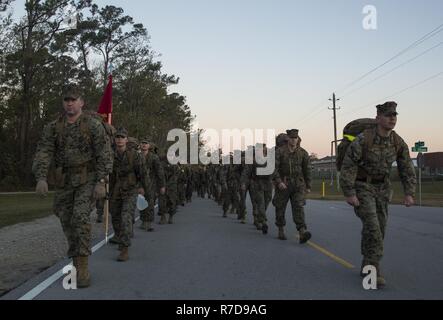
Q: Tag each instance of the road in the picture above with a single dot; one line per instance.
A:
(205, 256)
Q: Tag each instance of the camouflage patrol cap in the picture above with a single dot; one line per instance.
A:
(292, 133)
(121, 132)
(72, 91)
(388, 108)
(145, 140)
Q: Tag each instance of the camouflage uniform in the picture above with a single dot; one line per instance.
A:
(81, 159)
(156, 181)
(260, 190)
(126, 178)
(365, 173)
(189, 183)
(232, 188)
(294, 169)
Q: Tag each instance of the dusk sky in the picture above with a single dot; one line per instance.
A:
(274, 64)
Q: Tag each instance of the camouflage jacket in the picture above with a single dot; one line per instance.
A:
(171, 173)
(128, 174)
(79, 151)
(154, 170)
(377, 163)
(292, 167)
(249, 175)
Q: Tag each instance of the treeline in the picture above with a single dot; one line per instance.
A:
(59, 42)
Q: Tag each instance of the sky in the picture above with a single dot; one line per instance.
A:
(274, 64)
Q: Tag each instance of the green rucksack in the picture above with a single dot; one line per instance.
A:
(352, 130)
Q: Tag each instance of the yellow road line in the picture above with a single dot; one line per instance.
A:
(331, 255)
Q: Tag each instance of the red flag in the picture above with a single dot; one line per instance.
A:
(106, 102)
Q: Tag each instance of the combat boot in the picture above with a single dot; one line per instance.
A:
(304, 235)
(144, 225)
(265, 229)
(162, 219)
(99, 218)
(170, 219)
(259, 226)
(243, 220)
(281, 233)
(124, 254)
(83, 278)
(224, 214)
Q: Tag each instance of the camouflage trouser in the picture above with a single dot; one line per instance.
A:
(373, 212)
(148, 213)
(231, 198)
(72, 206)
(297, 198)
(181, 193)
(261, 195)
(189, 190)
(122, 213)
(168, 202)
(242, 203)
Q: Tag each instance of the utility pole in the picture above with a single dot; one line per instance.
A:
(334, 110)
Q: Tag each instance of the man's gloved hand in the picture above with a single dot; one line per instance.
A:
(99, 191)
(42, 188)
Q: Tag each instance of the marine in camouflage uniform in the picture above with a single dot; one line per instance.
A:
(365, 180)
(189, 183)
(260, 189)
(292, 176)
(127, 180)
(181, 185)
(155, 182)
(232, 188)
(76, 144)
(168, 201)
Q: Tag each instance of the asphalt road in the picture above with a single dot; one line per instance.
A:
(205, 256)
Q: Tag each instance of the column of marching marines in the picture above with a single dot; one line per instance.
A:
(89, 161)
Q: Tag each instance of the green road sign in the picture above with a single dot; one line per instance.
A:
(419, 144)
(419, 149)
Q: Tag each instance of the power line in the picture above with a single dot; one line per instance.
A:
(413, 45)
(397, 93)
(392, 70)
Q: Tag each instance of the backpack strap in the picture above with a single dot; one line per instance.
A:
(369, 136)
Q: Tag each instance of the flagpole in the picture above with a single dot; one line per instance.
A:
(109, 120)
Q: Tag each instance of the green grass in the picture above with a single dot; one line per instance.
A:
(23, 208)
(432, 192)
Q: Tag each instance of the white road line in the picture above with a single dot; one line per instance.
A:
(30, 295)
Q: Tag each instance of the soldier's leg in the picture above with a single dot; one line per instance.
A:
(63, 209)
(172, 206)
(226, 201)
(372, 236)
(162, 207)
(261, 210)
(298, 213)
(127, 209)
(280, 202)
(268, 194)
(115, 207)
(80, 221)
